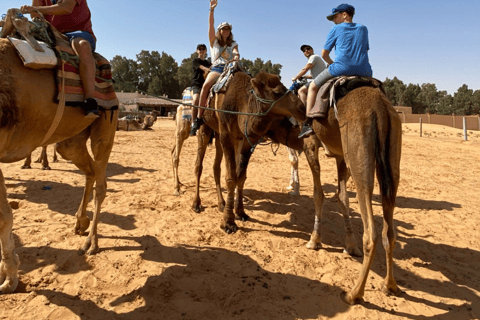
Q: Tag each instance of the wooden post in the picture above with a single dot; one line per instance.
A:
(465, 135)
(420, 127)
(453, 114)
(404, 121)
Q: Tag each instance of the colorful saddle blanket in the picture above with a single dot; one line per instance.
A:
(74, 94)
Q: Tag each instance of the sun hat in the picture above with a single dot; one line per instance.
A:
(224, 24)
(344, 7)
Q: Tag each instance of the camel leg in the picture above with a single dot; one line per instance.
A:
(75, 150)
(294, 178)
(311, 153)
(228, 224)
(181, 134)
(28, 162)
(203, 136)
(217, 170)
(44, 159)
(10, 261)
(343, 175)
(242, 164)
(102, 139)
(55, 158)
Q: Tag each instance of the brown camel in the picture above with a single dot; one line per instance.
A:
(27, 110)
(366, 139)
(239, 133)
(43, 159)
(182, 131)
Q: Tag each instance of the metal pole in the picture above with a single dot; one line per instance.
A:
(465, 135)
(420, 127)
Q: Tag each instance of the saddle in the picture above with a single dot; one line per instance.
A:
(39, 36)
(338, 87)
(222, 82)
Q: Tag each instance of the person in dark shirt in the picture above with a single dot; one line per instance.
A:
(201, 67)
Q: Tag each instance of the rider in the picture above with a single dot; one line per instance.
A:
(314, 64)
(72, 18)
(200, 67)
(223, 49)
(351, 50)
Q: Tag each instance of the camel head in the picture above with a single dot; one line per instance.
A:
(268, 86)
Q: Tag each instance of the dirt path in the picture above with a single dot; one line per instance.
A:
(160, 260)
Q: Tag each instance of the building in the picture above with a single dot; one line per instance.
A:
(137, 101)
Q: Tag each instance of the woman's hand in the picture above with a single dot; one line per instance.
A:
(213, 4)
(26, 9)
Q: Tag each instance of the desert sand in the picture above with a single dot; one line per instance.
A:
(160, 260)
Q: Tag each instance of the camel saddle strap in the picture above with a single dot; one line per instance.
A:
(58, 114)
(338, 87)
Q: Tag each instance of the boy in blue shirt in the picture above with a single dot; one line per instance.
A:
(350, 41)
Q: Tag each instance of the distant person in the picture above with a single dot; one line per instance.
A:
(72, 18)
(350, 41)
(314, 64)
(223, 49)
(200, 69)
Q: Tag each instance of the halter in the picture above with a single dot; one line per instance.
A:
(264, 101)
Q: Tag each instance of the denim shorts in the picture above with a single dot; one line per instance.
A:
(218, 68)
(85, 35)
(323, 77)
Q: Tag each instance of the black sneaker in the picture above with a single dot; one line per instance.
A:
(195, 126)
(306, 131)
(91, 108)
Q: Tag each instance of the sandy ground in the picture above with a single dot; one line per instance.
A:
(160, 260)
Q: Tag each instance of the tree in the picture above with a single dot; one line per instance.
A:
(445, 103)
(162, 68)
(124, 72)
(463, 101)
(258, 65)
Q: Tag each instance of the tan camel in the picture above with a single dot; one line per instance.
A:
(239, 133)
(26, 112)
(182, 131)
(43, 159)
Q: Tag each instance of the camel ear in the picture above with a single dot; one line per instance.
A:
(257, 85)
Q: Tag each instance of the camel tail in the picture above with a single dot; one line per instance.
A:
(9, 111)
(382, 136)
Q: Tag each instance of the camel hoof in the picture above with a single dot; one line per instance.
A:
(46, 168)
(312, 245)
(176, 193)
(221, 206)
(396, 291)
(82, 225)
(347, 298)
(230, 228)
(26, 167)
(243, 217)
(197, 209)
(9, 276)
(354, 252)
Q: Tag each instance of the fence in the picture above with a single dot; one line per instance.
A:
(473, 122)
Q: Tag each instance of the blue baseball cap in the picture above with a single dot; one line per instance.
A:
(341, 8)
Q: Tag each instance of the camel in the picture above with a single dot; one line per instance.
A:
(182, 132)
(27, 110)
(43, 159)
(366, 139)
(239, 133)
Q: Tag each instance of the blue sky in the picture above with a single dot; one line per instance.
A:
(417, 41)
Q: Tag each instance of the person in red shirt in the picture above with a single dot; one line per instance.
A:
(73, 18)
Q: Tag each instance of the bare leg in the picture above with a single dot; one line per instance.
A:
(87, 66)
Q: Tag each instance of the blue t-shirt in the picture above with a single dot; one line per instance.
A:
(350, 41)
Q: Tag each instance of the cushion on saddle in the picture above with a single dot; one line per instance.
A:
(32, 58)
(222, 82)
(338, 87)
(74, 93)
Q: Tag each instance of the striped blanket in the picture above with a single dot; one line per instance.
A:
(74, 94)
